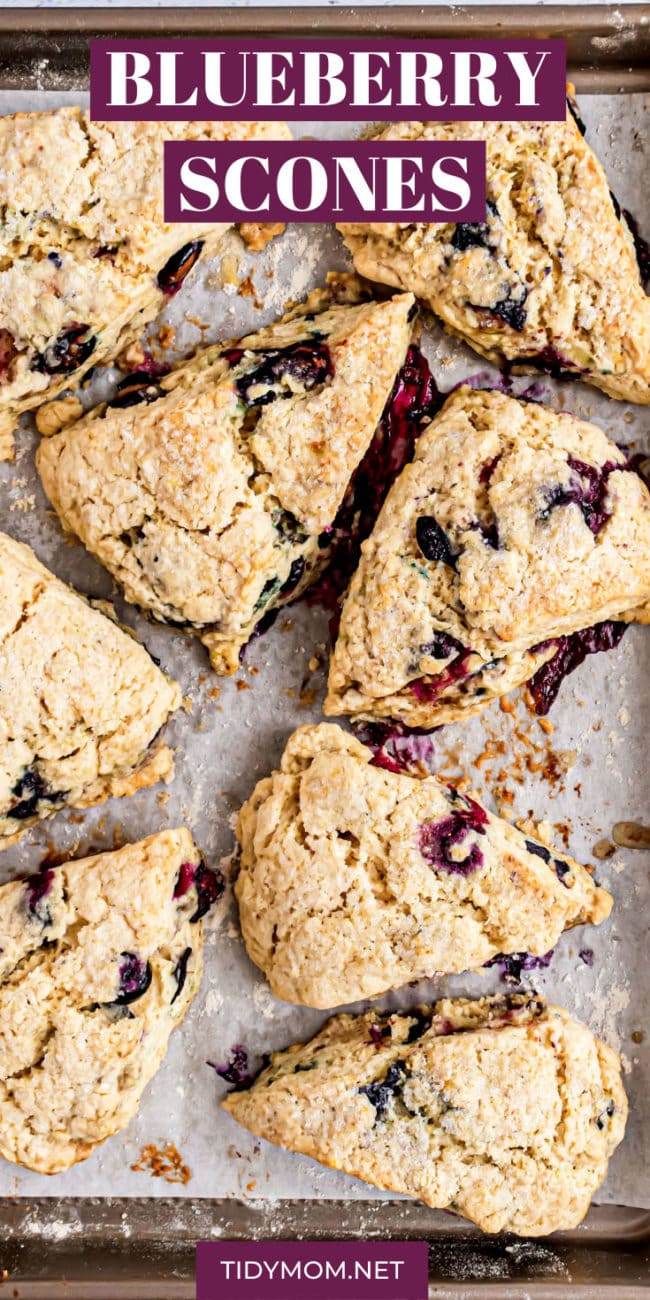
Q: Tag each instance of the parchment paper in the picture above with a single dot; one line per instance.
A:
(589, 773)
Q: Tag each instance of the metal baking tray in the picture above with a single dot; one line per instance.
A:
(136, 1248)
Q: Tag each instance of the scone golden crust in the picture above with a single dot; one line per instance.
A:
(86, 256)
(550, 280)
(81, 701)
(513, 526)
(354, 880)
(99, 961)
(502, 1109)
(211, 501)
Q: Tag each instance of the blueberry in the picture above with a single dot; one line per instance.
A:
(433, 541)
(209, 886)
(587, 488)
(436, 839)
(489, 533)
(171, 277)
(38, 887)
(136, 388)
(55, 257)
(180, 972)
(135, 978)
(427, 689)
(487, 469)
(512, 311)
(571, 651)
(602, 1118)
(381, 1094)
(30, 790)
(69, 351)
(308, 363)
(442, 646)
(539, 850)
(379, 1033)
(470, 234)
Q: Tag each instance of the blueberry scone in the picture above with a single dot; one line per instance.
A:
(550, 279)
(211, 497)
(81, 701)
(513, 527)
(99, 961)
(354, 880)
(86, 258)
(504, 1110)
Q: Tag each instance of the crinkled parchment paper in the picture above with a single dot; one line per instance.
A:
(588, 773)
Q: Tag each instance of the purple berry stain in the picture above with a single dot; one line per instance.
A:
(381, 1093)
(512, 964)
(427, 689)
(236, 1069)
(396, 749)
(413, 401)
(571, 651)
(587, 488)
(437, 839)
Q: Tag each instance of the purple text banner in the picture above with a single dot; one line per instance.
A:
(312, 1270)
(328, 79)
(324, 180)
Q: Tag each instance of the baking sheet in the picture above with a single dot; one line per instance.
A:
(589, 773)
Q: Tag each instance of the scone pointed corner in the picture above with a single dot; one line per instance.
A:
(514, 529)
(549, 281)
(355, 880)
(455, 1105)
(251, 450)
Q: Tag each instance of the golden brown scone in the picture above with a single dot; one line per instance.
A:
(211, 498)
(504, 1110)
(86, 259)
(513, 526)
(354, 880)
(81, 701)
(99, 961)
(549, 281)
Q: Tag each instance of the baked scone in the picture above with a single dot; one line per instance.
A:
(81, 701)
(211, 498)
(354, 880)
(550, 279)
(86, 258)
(99, 961)
(504, 1110)
(513, 527)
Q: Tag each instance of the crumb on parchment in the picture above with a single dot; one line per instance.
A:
(164, 1162)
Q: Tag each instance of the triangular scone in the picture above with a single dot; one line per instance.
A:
(504, 1110)
(81, 701)
(550, 280)
(355, 880)
(86, 258)
(99, 961)
(513, 525)
(211, 502)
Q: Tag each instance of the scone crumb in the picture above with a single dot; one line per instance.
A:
(603, 849)
(165, 1163)
(257, 234)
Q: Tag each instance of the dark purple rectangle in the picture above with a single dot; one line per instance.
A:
(328, 79)
(312, 1270)
(324, 180)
